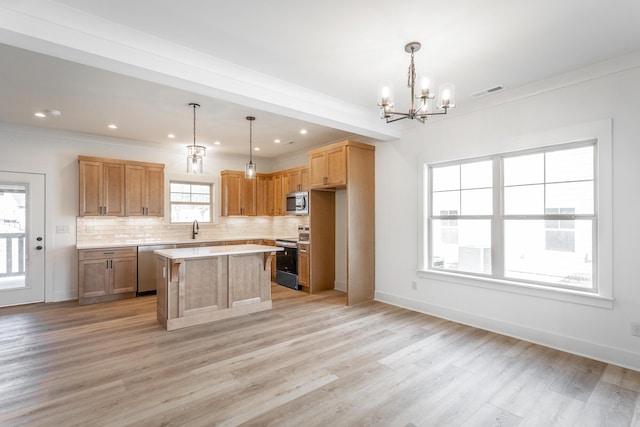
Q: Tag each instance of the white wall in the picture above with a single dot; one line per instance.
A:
(600, 333)
(53, 153)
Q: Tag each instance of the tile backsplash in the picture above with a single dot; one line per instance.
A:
(149, 230)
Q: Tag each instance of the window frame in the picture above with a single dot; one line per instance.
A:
(597, 133)
(212, 200)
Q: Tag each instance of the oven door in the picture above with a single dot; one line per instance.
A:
(287, 264)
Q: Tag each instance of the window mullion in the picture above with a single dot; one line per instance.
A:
(497, 221)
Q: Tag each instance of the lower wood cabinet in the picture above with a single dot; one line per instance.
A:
(107, 274)
(303, 266)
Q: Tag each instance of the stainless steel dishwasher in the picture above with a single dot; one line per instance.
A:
(147, 267)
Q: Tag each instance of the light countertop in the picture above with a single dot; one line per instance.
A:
(112, 244)
(214, 251)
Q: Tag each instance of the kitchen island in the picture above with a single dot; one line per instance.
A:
(204, 284)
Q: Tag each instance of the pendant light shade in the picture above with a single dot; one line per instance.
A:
(250, 168)
(195, 153)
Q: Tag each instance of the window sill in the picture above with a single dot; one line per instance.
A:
(566, 295)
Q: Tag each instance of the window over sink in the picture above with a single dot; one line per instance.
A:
(191, 201)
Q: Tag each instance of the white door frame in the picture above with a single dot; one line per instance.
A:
(35, 240)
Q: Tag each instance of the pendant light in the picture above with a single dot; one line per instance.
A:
(250, 168)
(195, 153)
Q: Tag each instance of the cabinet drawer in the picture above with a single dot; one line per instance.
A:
(85, 254)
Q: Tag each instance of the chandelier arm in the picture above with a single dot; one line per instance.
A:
(435, 114)
(402, 116)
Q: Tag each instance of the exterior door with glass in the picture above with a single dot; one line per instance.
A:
(22, 245)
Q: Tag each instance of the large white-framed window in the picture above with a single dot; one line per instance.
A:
(191, 201)
(534, 221)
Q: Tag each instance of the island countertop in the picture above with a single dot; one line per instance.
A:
(213, 251)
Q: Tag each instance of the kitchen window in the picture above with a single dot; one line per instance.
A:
(191, 201)
(526, 218)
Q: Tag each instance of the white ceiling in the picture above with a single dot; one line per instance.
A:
(292, 64)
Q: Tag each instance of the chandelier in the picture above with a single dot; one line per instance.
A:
(445, 101)
(195, 153)
(250, 168)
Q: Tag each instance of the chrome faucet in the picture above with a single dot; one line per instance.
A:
(195, 229)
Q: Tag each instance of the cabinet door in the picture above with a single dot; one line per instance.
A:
(303, 265)
(271, 198)
(230, 194)
(337, 166)
(113, 189)
(279, 201)
(90, 179)
(286, 184)
(304, 179)
(317, 169)
(155, 191)
(144, 190)
(262, 196)
(123, 275)
(248, 197)
(93, 278)
(135, 190)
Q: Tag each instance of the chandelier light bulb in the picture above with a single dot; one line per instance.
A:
(424, 84)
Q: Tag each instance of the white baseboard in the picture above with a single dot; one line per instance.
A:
(615, 356)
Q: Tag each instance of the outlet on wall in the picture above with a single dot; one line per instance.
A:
(635, 329)
(414, 285)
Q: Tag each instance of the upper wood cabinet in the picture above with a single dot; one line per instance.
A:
(144, 190)
(297, 180)
(110, 187)
(238, 194)
(102, 185)
(263, 207)
(328, 166)
(263, 196)
(276, 197)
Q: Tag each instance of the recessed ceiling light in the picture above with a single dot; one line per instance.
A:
(216, 142)
(303, 131)
(171, 136)
(112, 126)
(256, 149)
(48, 113)
(277, 141)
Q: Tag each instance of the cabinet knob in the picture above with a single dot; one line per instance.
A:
(39, 247)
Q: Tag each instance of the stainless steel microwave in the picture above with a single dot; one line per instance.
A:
(298, 203)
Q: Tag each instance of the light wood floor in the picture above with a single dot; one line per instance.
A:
(311, 361)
